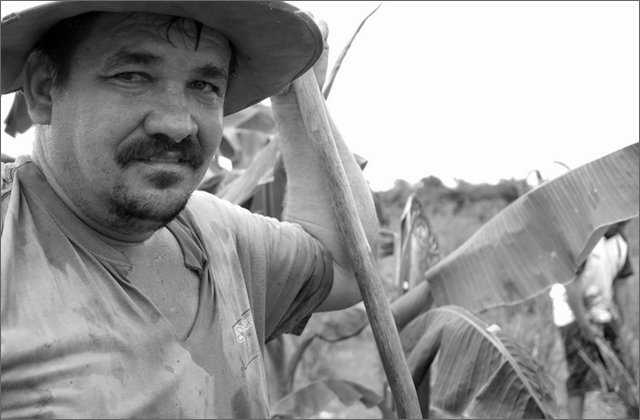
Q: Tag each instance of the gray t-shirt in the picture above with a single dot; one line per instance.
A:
(79, 340)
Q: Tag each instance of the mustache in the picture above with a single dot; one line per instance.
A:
(189, 150)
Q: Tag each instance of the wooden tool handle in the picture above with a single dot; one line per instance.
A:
(312, 108)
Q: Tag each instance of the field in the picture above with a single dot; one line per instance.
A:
(455, 216)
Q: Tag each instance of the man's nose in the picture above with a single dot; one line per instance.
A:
(171, 117)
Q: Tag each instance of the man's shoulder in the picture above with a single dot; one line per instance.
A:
(8, 168)
(7, 175)
(202, 201)
(8, 171)
(205, 207)
(617, 247)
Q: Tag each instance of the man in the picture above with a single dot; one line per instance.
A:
(590, 307)
(124, 292)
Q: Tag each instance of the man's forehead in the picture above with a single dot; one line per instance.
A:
(176, 30)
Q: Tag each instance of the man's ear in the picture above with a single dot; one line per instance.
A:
(37, 88)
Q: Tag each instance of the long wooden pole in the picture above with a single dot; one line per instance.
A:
(312, 108)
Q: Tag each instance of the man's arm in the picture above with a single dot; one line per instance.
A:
(619, 285)
(620, 293)
(576, 302)
(308, 202)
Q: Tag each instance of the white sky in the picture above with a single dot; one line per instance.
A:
(477, 91)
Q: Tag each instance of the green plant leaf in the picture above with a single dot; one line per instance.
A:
(326, 399)
(542, 237)
(479, 371)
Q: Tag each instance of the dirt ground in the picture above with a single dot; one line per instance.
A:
(598, 404)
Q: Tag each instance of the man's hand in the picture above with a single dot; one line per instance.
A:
(589, 331)
(320, 67)
(575, 300)
(308, 200)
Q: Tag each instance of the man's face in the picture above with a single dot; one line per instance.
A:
(138, 119)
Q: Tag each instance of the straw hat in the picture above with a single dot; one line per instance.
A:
(274, 42)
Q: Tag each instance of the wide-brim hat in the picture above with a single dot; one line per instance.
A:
(274, 42)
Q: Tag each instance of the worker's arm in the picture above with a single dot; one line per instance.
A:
(620, 283)
(308, 202)
(621, 289)
(576, 302)
(620, 293)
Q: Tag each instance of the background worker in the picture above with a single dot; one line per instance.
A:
(590, 307)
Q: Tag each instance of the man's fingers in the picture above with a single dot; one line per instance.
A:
(321, 66)
(324, 29)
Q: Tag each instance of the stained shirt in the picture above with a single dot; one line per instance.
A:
(607, 262)
(79, 340)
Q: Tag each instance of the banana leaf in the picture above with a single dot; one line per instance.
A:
(337, 325)
(330, 398)
(259, 172)
(255, 118)
(541, 238)
(479, 371)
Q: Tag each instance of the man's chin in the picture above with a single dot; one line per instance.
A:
(159, 175)
(151, 211)
(165, 179)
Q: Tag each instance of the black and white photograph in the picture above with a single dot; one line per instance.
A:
(320, 209)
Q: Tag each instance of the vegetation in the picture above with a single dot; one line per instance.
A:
(507, 359)
(529, 323)
(308, 378)
(333, 369)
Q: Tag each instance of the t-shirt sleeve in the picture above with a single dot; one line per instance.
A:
(299, 281)
(298, 273)
(626, 270)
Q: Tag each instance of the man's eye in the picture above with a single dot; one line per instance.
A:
(204, 87)
(132, 77)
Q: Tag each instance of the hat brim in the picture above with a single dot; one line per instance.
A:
(274, 42)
